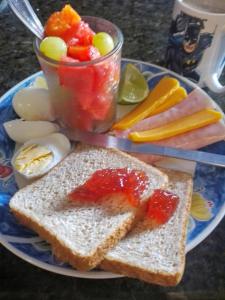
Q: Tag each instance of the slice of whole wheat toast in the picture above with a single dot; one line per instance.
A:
(81, 232)
(156, 255)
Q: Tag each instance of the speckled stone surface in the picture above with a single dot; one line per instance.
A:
(145, 25)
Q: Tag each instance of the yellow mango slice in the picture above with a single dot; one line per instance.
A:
(176, 97)
(188, 123)
(156, 97)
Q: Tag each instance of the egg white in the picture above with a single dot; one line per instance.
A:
(33, 104)
(22, 131)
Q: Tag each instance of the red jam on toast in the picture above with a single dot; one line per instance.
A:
(131, 183)
(161, 206)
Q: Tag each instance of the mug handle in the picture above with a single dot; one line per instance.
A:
(217, 64)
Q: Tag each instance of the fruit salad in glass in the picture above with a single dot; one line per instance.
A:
(81, 58)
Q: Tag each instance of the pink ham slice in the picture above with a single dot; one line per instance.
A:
(192, 140)
(194, 102)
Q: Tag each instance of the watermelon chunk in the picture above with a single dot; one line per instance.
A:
(81, 31)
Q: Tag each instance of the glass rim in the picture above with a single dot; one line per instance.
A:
(117, 47)
(199, 10)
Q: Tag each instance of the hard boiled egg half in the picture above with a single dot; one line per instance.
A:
(33, 104)
(22, 131)
(38, 156)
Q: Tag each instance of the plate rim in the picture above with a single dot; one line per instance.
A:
(57, 269)
(103, 274)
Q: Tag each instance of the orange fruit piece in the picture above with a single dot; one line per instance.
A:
(70, 15)
(59, 22)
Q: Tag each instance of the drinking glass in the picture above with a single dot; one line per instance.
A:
(84, 93)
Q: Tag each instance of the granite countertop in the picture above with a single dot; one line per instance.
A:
(145, 25)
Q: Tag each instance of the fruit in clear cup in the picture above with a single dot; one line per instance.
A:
(83, 53)
(103, 42)
(60, 21)
(53, 47)
(68, 26)
(91, 88)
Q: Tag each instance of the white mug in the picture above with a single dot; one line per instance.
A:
(196, 47)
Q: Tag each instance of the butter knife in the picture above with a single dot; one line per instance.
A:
(108, 141)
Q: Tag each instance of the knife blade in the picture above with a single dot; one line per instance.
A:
(109, 141)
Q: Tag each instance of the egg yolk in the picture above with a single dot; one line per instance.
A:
(33, 159)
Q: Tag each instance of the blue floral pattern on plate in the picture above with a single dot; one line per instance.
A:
(26, 244)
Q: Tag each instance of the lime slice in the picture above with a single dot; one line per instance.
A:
(199, 208)
(133, 86)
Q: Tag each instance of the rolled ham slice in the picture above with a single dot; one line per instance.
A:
(194, 102)
(192, 140)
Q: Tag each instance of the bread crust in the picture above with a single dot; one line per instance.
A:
(63, 253)
(161, 278)
(138, 273)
